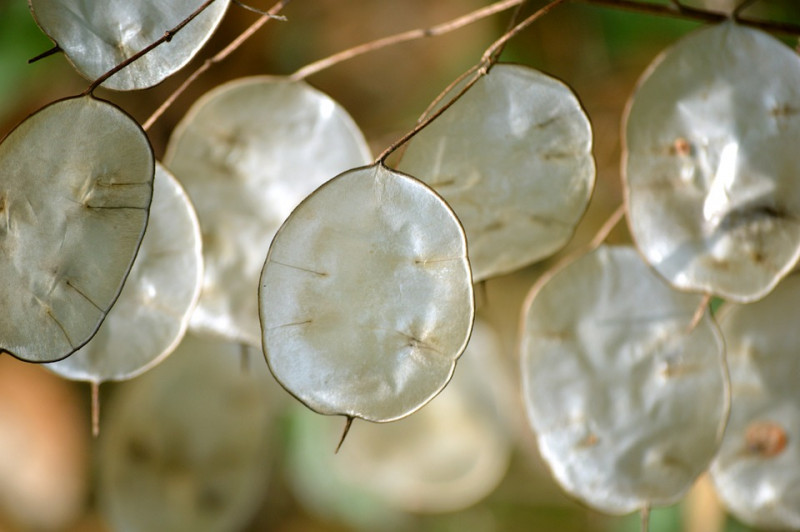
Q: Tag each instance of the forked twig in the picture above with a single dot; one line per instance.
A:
(488, 58)
(168, 35)
(434, 31)
(220, 56)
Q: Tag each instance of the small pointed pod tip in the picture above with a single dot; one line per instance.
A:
(645, 514)
(347, 425)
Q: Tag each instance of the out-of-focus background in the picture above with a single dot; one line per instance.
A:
(50, 468)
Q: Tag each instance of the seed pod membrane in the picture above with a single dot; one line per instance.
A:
(757, 470)
(366, 296)
(151, 315)
(97, 36)
(513, 158)
(248, 152)
(710, 162)
(628, 404)
(77, 184)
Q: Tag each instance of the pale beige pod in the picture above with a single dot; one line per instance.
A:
(152, 313)
(248, 152)
(366, 296)
(445, 458)
(77, 185)
(628, 403)
(187, 445)
(97, 36)
(449, 455)
(757, 470)
(513, 157)
(710, 162)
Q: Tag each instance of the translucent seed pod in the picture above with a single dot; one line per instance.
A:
(152, 312)
(77, 178)
(187, 445)
(757, 470)
(710, 162)
(96, 37)
(513, 157)
(628, 403)
(248, 152)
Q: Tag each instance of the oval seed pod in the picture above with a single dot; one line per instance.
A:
(710, 162)
(96, 37)
(186, 446)
(513, 158)
(248, 152)
(366, 296)
(77, 178)
(446, 457)
(628, 405)
(152, 312)
(757, 470)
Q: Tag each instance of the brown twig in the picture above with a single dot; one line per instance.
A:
(220, 56)
(487, 59)
(405, 36)
(258, 11)
(95, 392)
(168, 35)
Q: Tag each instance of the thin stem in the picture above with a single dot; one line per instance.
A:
(430, 118)
(405, 36)
(490, 55)
(645, 518)
(259, 11)
(446, 91)
(95, 391)
(168, 35)
(220, 56)
(513, 21)
(607, 227)
(244, 359)
(482, 68)
(48, 53)
(741, 7)
(699, 313)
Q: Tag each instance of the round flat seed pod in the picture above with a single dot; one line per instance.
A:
(710, 162)
(187, 445)
(152, 312)
(77, 184)
(248, 152)
(366, 296)
(446, 457)
(513, 157)
(628, 404)
(96, 37)
(757, 470)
